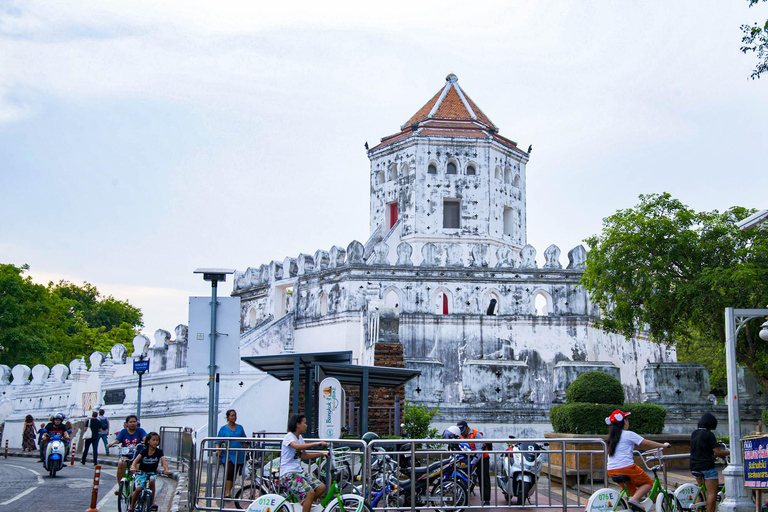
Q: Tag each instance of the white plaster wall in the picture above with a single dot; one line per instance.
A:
(329, 337)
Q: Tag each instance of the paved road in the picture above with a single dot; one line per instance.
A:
(24, 485)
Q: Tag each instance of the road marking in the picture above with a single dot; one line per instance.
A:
(109, 495)
(18, 496)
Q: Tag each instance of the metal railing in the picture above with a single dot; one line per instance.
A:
(414, 474)
(177, 444)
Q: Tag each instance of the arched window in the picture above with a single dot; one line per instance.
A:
(323, 304)
(392, 172)
(404, 170)
(443, 303)
(497, 173)
(392, 299)
(471, 171)
(252, 315)
(451, 168)
(432, 169)
(507, 172)
(542, 303)
(491, 303)
(380, 178)
(516, 181)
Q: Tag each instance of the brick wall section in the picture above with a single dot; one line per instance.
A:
(381, 400)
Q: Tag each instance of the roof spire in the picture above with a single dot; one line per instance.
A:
(452, 78)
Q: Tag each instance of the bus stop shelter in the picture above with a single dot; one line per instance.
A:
(316, 366)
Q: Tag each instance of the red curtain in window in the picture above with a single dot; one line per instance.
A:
(392, 214)
(445, 304)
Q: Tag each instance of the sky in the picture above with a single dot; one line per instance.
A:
(140, 140)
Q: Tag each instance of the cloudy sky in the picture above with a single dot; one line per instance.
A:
(140, 140)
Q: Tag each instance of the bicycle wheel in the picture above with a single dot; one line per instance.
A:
(248, 494)
(144, 504)
(350, 502)
(667, 503)
(123, 496)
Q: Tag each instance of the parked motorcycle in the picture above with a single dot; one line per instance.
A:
(521, 467)
(55, 453)
(442, 483)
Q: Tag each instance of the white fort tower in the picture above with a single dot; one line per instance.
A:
(449, 177)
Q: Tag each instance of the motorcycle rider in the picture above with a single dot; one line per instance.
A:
(485, 461)
(131, 435)
(53, 428)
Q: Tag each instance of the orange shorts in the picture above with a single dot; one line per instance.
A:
(637, 477)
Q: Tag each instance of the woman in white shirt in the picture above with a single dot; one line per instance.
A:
(305, 487)
(621, 461)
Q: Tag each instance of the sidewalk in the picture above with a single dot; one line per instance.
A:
(166, 487)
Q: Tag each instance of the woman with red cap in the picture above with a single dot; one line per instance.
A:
(621, 448)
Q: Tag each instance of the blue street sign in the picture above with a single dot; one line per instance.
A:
(140, 366)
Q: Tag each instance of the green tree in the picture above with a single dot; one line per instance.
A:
(669, 271)
(58, 323)
(755, 40)
(417, 421)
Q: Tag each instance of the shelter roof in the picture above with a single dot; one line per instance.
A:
(281, 366)
(353, 374)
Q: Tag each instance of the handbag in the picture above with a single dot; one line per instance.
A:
(88, 432)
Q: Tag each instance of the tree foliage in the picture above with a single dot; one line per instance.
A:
(755, 40)
(669, 271)
(595, 388)
(59, 322)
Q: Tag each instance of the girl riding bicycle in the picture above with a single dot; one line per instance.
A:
(704, 447)
(621, 448)
(147, 461)
(305, 487)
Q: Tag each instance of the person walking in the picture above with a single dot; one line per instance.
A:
(704, 447)
(485, 461)
(234, 461)
(104, 434)
(28, 436)
(93, 426)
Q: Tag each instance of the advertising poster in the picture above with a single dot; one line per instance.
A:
(755, 460)
(330, 409)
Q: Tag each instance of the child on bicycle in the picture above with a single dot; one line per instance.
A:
(621, 461)
(147, 461)
(704, 447)
(293, 448)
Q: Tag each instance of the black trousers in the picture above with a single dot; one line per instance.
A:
(88, 442)
(485, 478)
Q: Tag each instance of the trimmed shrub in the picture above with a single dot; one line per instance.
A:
(595, 388)
(589, 418)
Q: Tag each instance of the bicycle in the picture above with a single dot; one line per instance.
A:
(126, 487)
(267, 483)
(333, 501)
(694, 496)
(144, 503)
(610, 500)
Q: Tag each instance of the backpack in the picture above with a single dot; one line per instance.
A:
(104, 424)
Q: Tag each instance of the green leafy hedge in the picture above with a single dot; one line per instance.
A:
(595, 388)
(589, 418)
(765, 419)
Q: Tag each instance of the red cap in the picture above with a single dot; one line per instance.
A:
(616, 416)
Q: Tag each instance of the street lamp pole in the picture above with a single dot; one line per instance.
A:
(736, 497)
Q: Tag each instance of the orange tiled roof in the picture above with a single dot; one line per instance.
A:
(450, 102)
(449, 113)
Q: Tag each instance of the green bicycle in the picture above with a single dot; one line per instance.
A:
(124, 492)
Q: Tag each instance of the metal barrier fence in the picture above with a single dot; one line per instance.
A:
(412, 474)
(177, 444)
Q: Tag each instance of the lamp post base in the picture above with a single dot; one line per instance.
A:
(737, 497)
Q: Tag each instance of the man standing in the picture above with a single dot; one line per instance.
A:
(485, 461)
(104, 434)
(129, 437)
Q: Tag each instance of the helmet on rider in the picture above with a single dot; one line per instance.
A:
(451, 433)
(58, 416)
(370, 436)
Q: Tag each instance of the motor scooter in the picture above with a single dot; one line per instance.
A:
(521, 466)
(55, 453)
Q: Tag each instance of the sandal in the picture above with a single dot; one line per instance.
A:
(153, 507)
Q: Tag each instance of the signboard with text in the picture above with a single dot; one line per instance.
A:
(140, 365)
(755, 461)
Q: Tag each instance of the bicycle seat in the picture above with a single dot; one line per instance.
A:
(620, 479)
(697, 474)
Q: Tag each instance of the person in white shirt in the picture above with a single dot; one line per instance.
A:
(621, 461)
(305, 487)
